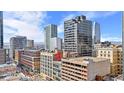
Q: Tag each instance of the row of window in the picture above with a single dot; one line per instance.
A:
(105, 51)
(68, 74)
(77, 65)
(105, 55)
(75, 72)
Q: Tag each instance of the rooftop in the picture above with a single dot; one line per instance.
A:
(32, 50)
(84, 60)
(5, 65)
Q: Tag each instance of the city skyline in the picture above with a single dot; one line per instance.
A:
(82, 56)
(21, 23)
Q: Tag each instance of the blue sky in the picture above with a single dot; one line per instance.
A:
(31, 23)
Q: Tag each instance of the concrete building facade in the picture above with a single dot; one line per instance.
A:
(18, 53)
(30, 43)
(84, 68)
(50, 32)
(50, 65)
(2, 56)
(114, 54)
(57, 70)
(55, 43)
(78, 35)
(30, 60)
(18, 42)
(7, 69)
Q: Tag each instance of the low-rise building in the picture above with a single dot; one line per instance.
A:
(114, 54)
(30, 60)
(2, 56)
(48, 64)
(57, 70)
(84, 68)
(7, 69)
(18, 53)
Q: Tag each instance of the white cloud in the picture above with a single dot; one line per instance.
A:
(61, 24)
(26, 24)
(116, 39)
(97, 14)
(30, 23)
(89, 15)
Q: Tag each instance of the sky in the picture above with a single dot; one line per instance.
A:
(31, 23)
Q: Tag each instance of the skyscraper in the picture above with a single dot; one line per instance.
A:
(78, 36)
(18, 42)
(50, 32)
(30, 43)
(96, 33)
(1, 29)
(96, 37)
(55, 43)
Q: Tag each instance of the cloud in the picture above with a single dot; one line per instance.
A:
(31, 23)
(24, 24)
(116, 39)
(89, 15)
(61, 24)
(97, 14)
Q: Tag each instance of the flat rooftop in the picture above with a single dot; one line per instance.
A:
(5, 65)
(32, 50)
(85, 60)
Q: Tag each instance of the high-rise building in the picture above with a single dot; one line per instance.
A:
(18, 42)
(1, 29)
(84, 68)
(50, 32)
(114, 54)
(96, 33)
(78, 36)
(7, 70)
(95, 36)
(30, 43)
(55, 43)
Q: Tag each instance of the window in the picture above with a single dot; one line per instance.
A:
(108, 55)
